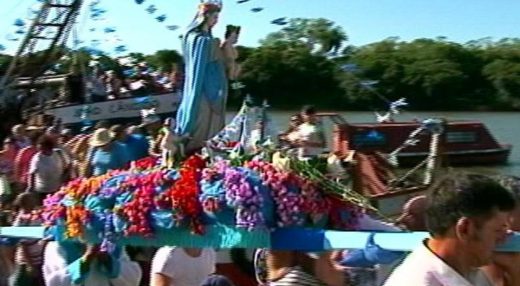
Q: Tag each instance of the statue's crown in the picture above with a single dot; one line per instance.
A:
(206, 6)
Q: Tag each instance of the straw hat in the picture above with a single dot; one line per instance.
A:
(34, 128)
(101, 137)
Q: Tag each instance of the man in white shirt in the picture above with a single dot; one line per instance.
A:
(176, 266)
(46, 168)
(310, 135)
(467, 216)
(71, 264)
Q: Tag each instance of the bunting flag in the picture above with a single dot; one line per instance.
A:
(395, 105)
(431, 125)
(280, 21)
(233, 132)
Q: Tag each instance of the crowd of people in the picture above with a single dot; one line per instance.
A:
(36, 161)
(467, 216)
(305, 134)
(136, 80)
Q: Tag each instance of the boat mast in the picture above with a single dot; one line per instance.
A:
(47, 35)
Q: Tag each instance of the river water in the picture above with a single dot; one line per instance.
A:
(504, 126)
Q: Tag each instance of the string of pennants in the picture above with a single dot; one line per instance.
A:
(97, 14)
(20, 25)
(428, 125)
(282, 21)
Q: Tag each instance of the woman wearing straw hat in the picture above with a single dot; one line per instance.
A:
(105, 153)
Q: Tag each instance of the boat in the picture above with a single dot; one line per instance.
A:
(373, 173)
(462, 143)
(121, 109)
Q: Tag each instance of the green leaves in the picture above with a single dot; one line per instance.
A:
(164, 59)
(320, 36)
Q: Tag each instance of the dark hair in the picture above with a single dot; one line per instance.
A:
(4, 218)
(102, 124)
(308, 110)
(512, 184)
(230, 29)
(464, 195)
(34, 137)
(118, 128)
(47, 142)
(8, 140)
(25, 199)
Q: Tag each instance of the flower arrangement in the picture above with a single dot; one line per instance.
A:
(184, 194)
(147, 199)
(299, 201)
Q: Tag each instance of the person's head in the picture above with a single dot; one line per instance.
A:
(26, 201)
(118, 131)
(512, 184)
(102, 124)
(18, 131)
(34, 137)
(295, 121)
(412, 215)
(217, 280)
(9, 144)
(134, 130)
(308, 114)
(66, 135)
(470, 213)
(101, 138)
(232, 33)
(46, 145)
(86, 129)
(30, 130)
(4, 218)
(54, 133)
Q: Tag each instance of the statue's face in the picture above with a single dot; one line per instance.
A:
(212, 20)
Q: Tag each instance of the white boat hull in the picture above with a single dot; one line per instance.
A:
(116, 109)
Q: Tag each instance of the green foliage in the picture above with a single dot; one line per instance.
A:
(286, 75)
(318, 35)
(291, 67)
(4, 63)
(302, 64)
(164, 59)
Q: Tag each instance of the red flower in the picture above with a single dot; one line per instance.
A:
(146, 163)
(184, 194)
(232, 144)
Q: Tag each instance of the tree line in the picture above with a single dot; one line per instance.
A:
(309, 61)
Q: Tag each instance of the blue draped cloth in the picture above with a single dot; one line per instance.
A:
(205, 80)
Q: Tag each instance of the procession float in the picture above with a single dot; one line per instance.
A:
(235, 187)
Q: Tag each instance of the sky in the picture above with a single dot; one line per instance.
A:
(364, 21)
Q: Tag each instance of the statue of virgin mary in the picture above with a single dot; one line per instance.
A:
(201, 114)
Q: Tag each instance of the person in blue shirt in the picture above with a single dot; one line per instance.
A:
(137, 145)
(106, 153)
